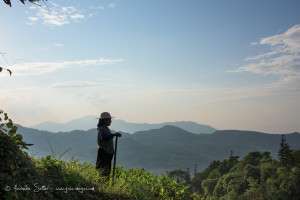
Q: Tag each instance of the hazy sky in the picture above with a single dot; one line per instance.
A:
(230, 64)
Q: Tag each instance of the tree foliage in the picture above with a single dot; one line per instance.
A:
(180, 176)
(285, 153)
(9, 130)
(256, 176)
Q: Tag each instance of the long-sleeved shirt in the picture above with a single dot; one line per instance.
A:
(105, 139)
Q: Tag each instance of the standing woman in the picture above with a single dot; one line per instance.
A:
(105, 144)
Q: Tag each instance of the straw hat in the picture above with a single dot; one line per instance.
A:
(105, 115)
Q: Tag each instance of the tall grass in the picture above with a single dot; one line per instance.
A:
(131, 184)
(128, 184)
(51, 178)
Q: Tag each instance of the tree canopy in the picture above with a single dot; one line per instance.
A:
(285, 153)
(256, 176)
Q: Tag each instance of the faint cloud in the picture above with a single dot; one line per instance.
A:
(32, 20)
(92, 14)
(88, 84)
(58, 45)
(283, 57)
(286, 86)
(55, 15)
(261, 56)
(96, 99)
(77, 16)
(76, 84)
(22, 99)
(111, 5)
(100, 8)
(38, 68)
(281, 65)
(202, 91)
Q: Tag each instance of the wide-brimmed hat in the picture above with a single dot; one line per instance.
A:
(105, 115)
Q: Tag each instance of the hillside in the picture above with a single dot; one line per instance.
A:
(160, 149)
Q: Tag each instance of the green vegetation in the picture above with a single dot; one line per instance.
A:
(285, 153)
(24, 177)
(51, 178)
(256, 176)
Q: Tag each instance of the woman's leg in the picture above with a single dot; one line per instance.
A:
(104, 162)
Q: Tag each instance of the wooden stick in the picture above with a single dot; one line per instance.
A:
(115, 156)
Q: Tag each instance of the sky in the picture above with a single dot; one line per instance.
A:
(228, 64)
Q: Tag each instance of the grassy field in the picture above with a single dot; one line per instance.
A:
(25, 177)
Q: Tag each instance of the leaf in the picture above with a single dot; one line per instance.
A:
(19, 137)
(11, 133)
(9, 71)
(7, 2)
(5, 116)
(14, 128)
(9, 125)
(64, 153)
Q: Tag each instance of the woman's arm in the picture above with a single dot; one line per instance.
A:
(106, 136)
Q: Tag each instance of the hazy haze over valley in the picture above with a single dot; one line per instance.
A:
(165, 148)
(90, 122)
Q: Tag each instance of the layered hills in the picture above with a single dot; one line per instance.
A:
(88, 122)
(156, 150)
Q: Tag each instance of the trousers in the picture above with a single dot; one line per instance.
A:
(103, 163)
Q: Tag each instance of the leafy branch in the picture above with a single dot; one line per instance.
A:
(7, 63)
(7, 128)
(8, 2)
(1, 68)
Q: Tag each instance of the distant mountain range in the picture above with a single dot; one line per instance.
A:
(89, 122)
(159, 149)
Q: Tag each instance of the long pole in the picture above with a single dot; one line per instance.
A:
(115, 156)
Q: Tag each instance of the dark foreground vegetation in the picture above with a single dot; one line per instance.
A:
(24, 177)
(255, 176)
